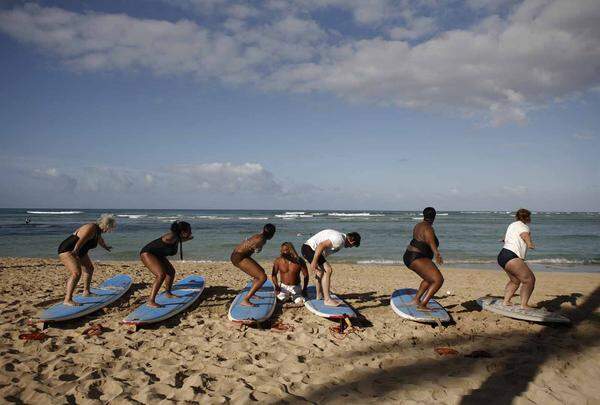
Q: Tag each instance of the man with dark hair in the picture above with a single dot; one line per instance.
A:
(317, 249)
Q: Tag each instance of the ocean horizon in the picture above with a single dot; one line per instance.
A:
(565, 241)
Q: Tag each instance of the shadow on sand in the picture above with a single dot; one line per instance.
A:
(503, 384)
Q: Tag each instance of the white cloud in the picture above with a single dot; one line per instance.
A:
(583, 136)
(225, 178)
(499, 69)
(221, 178)
(416, 28)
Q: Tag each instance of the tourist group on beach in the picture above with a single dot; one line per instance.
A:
(422, 256)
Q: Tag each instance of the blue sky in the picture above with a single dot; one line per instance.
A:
(324, 104)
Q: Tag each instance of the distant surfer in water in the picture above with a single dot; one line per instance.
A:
(241, 257)
(154, 256)
(317, 249)
(512, 259)
(73, 253)
(27, 220)
(419, 256)
(289, 266)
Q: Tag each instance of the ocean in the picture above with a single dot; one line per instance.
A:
(565, 241)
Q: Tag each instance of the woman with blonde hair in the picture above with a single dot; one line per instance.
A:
(512, 258)
(73, 253)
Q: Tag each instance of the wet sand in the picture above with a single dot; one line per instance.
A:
(201, 356)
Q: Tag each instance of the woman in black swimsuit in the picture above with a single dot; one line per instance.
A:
(418, 257)
(154, 256)
(73, 253)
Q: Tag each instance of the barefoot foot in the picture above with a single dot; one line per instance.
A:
(332, 303)
(71, 303)
(153, 304)
(170, 295)
(246, 303)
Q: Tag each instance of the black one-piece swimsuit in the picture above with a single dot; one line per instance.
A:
(68, 244)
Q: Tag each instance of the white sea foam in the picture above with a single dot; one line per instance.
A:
(54, 212)
(132, 216)
(253, 218)
(379, 261)
(292, 216)
(354, 214)
(210, 217)
(294, 213)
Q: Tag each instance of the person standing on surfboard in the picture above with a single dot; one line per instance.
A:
(512, 259)
(419, 256)
(241, 257)
(289, 265)
(154, 256)
(73, 253)
(317, 249)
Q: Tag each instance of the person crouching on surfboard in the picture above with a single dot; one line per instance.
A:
(241, 258)
(317, 249)
(289, 265)
(418, 257)
(154, 256)
(512, 259)
(73, 252)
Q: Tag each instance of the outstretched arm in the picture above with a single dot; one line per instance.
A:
(102, 243)
(526, 236)
(430, 239)
(304, 270)
(274, 278)
(320, 249)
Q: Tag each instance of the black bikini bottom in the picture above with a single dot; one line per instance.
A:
(410, 256)
(506, 256)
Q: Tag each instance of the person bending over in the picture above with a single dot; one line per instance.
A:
(419, 256)
(512, 259)
(317, 249)
(154, 256)
(73, 253)
(289, 266)
(241, 257)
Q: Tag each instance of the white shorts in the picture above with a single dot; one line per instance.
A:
(291, 292)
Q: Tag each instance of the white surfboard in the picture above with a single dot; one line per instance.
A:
(497, 306)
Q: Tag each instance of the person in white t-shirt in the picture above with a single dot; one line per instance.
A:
(317, 249)
(512, 259)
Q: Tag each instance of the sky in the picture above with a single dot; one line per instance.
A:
(305, 104)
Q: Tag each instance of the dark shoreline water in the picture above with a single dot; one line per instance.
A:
(565, 241)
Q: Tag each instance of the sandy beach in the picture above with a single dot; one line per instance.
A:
(201, 356)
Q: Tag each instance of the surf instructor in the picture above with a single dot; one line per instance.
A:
(317, 249)
(73, 253)
(419, 256)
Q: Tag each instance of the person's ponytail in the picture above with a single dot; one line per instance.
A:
(177, 227)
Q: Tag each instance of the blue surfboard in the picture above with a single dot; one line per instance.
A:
(399, 303)
(319, 308)
(107, 293)
(187, 290)
(265, 304)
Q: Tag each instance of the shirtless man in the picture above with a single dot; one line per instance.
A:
(289, 265)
